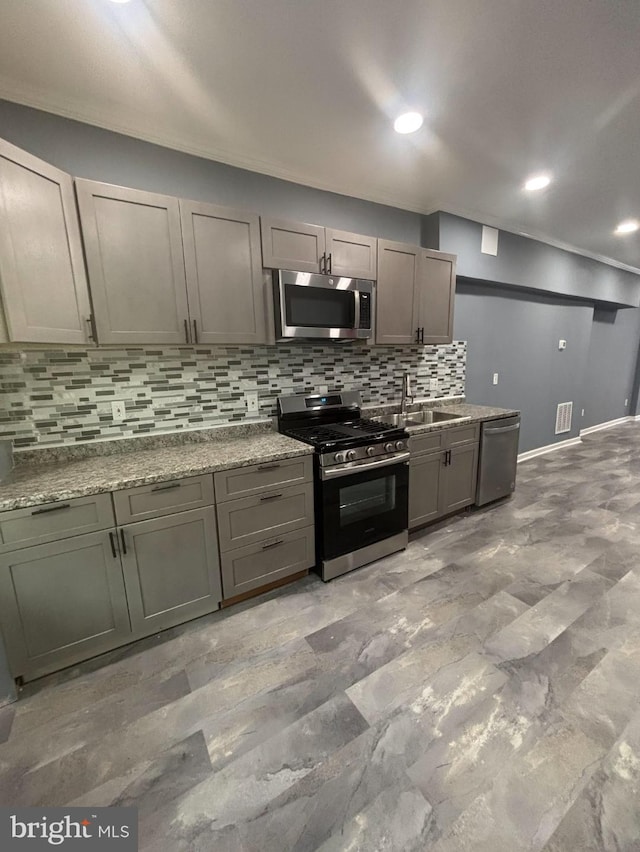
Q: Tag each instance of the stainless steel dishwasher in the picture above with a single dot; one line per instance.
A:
(498, 459)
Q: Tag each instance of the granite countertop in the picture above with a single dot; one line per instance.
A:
(32, 484)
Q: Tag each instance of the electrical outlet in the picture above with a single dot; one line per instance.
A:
(252, 402)
(626, 403)
(562, 344)
(495, 378)
(117, 409)
(323, 389)
(433, 384)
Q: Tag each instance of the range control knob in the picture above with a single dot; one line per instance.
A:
(371, 451)
(399, 445)
(388, 448)
(339, 457)
(351, 454)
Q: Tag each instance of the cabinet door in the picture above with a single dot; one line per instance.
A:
(171, 569)
(62, 602)
(435, 296)
(459, 485)
(291, 245)
(44, 286)
(224, 274)
(133, 245)
(351, 255)
(396, 318)
(425, 478)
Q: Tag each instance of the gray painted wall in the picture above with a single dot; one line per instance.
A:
(516, 335)
(610, 370)
(526, 263)
(90, 152)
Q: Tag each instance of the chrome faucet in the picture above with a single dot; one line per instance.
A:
(407, 396)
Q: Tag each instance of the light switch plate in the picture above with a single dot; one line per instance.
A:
(117, 409)
(252, 402)
(495, 378)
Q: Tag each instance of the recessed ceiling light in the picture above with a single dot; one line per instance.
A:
(408, 122)
(536, 182)
(628, 226)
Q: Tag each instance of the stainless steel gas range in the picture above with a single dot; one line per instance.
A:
(361, 479)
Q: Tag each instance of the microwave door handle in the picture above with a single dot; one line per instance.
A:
(356, 309)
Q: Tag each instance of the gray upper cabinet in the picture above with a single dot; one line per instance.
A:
(351, 255)
(224, 274)
(416, 291)
(62, 602)
(436, 294)
(292, 245)
(42, 275)
(171, 569)
(312, 248)
(398, 272)
(133, 246)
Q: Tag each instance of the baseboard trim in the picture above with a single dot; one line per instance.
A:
(609, 423)
(550, 448)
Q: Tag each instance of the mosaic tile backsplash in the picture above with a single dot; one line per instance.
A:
(56, 396)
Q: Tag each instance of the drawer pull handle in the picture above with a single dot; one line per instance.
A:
(268, 466)
(113, 544)
(270, 497)
(124, 543)
(272, 544)
(166, 487)
(51, 509)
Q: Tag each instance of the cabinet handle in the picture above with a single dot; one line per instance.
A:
(422, 335)
(270, 497)
(166, 487)
(417, 335)
(113, 545)
(323, 263)
(91, 334)
(329, 262)
(51, 509)
(195, 332)
(124, 543)
(447, 458)
(268, 466)
(186, 330)
(272, 544)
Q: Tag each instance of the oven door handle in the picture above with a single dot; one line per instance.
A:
(361, 467)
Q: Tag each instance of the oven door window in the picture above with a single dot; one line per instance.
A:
(362, 508)
(317, 307)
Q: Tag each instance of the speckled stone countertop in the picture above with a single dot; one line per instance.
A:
(32, 484)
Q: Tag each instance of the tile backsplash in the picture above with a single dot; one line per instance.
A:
(65, 396)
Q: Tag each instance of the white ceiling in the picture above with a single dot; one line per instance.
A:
(307, 90)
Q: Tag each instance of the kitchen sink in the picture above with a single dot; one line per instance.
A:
(419, 418)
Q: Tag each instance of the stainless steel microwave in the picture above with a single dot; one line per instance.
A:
(326, 307)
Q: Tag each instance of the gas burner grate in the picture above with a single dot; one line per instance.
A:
(315, 434)
(371, 426)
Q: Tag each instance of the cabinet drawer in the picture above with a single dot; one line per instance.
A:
(252, 519)
(458, 435)
(430, 442)
(250, 567)
(163, 498)
(257, 478)
(39, 524)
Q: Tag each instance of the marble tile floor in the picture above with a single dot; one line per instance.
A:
(479, 691)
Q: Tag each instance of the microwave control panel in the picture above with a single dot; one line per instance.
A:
(365, 310)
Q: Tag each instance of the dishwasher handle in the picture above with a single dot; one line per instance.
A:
(500, 430)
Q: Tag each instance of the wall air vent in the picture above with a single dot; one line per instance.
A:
(563, 417)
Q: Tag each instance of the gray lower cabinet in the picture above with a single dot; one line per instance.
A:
(442, 473)
(247, 568)
(222, 255)
(62, 602)
(424, 488)
(42, 275)
(171, 569)
(133, 247)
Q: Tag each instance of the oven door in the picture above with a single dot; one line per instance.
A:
(362, 506)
